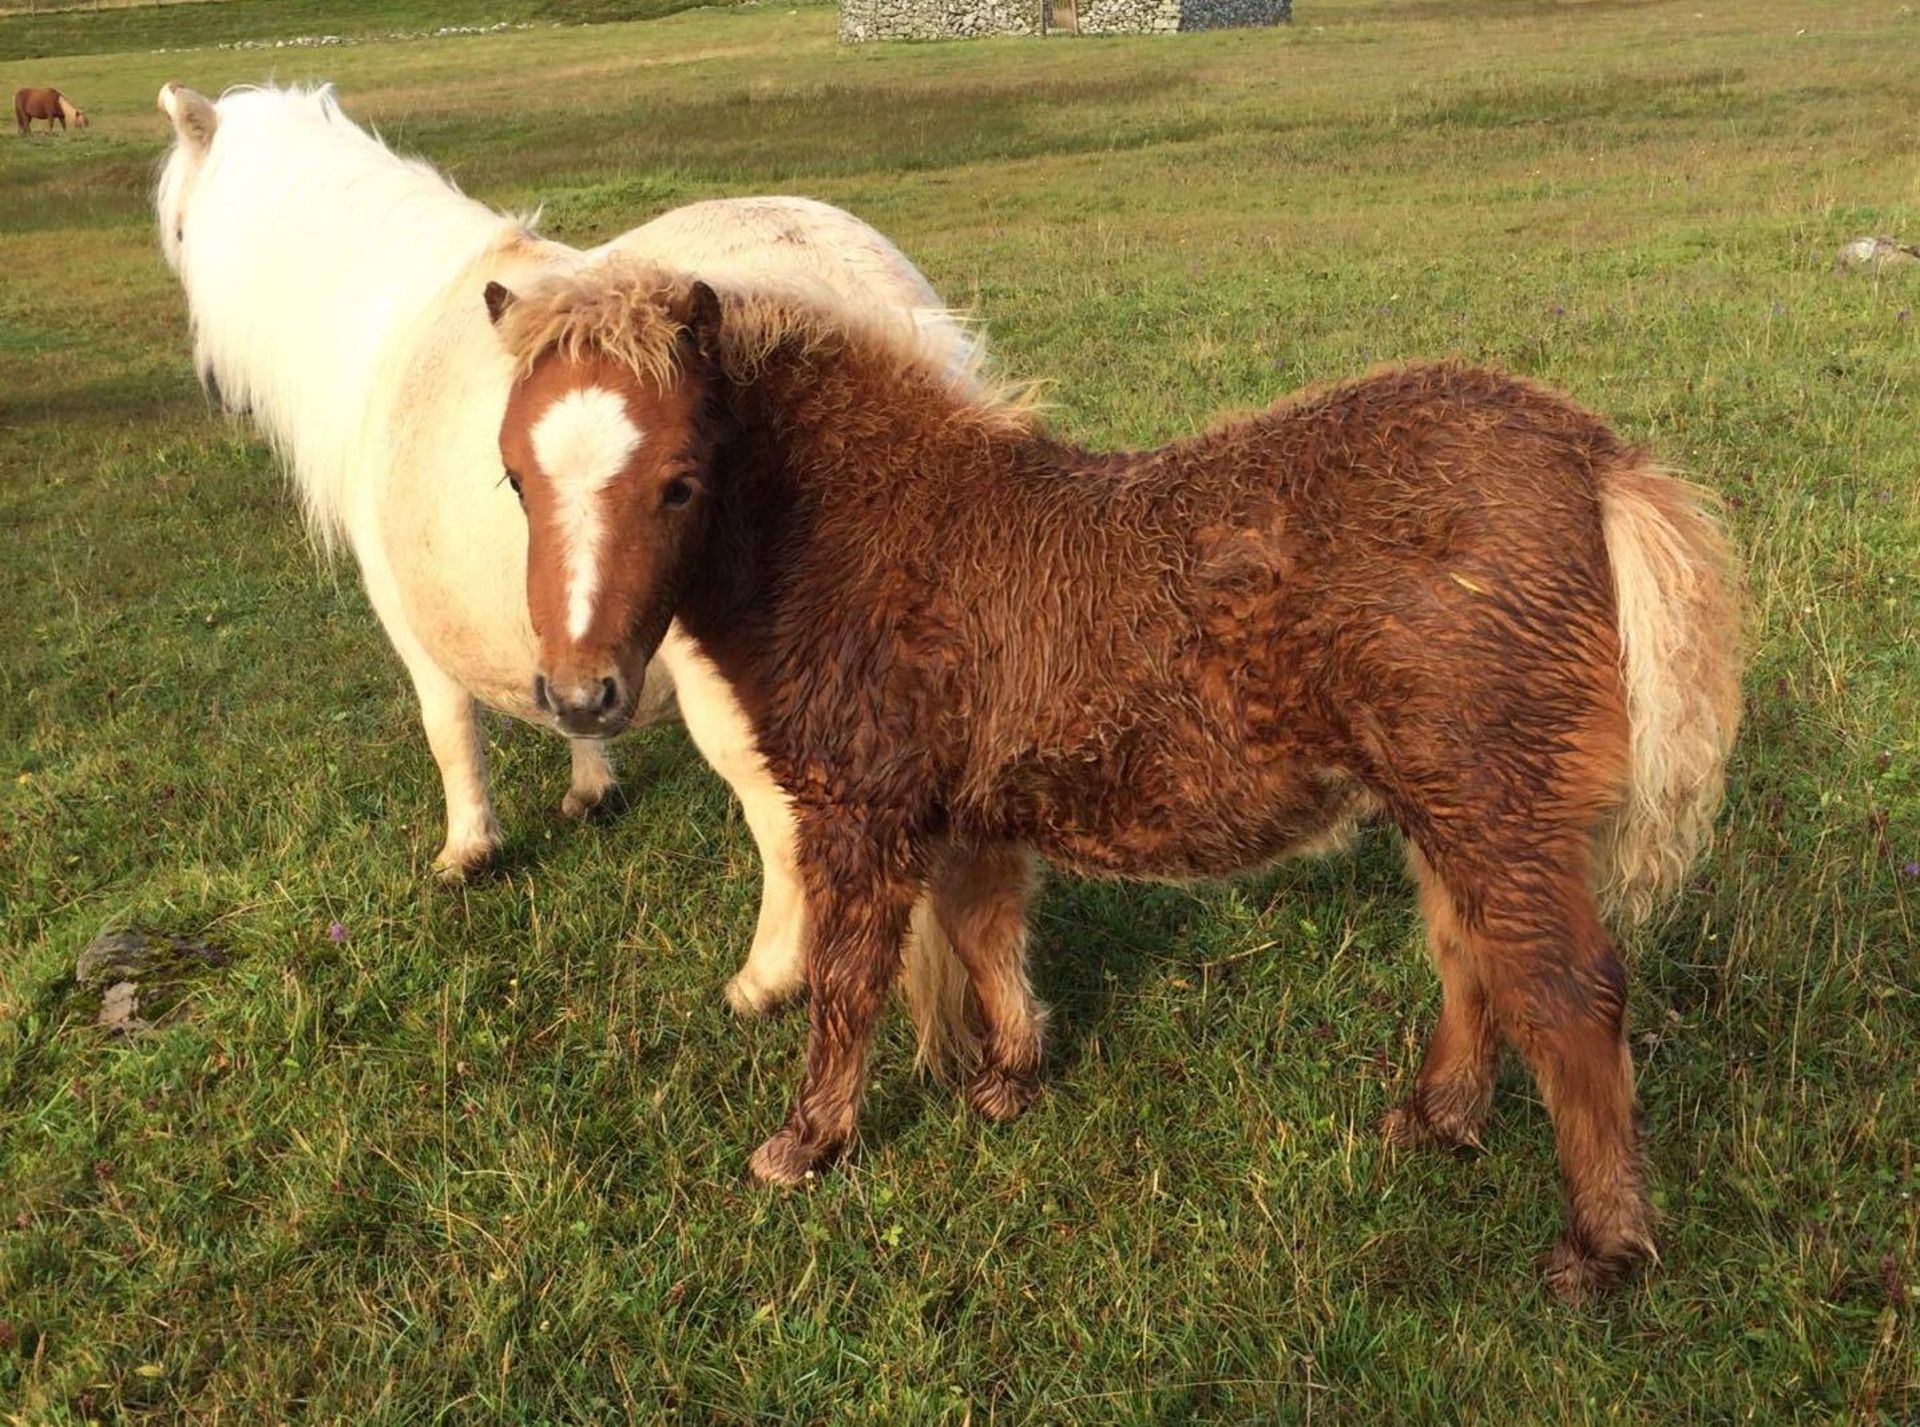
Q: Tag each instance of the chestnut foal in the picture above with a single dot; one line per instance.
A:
(1436, 593)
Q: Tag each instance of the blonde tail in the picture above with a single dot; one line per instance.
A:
(1678, 603)
(939, 999)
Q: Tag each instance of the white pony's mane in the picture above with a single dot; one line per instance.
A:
(312, 257)
(320, 267)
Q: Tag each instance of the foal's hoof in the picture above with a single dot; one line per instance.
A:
(750, 999)
(788, 1160)
(1578, 1273)
(1001, 1095)
(1410, 1125)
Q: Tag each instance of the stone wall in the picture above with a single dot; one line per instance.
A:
(1143, 17)
(962, 19)
(1129, 17)
(1232, 14)
(936, 19)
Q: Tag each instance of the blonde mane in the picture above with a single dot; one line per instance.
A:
(622, 309)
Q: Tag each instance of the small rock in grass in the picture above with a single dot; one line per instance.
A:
(1876, 253)
(128, 968)
(119, 1010)
(124, 955)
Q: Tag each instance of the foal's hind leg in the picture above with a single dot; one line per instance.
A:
(1558, 990)
(1450, 1098)
(981, 897)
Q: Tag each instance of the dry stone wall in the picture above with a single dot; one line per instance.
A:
(936, 19)
(1141, 17)
(862, 20)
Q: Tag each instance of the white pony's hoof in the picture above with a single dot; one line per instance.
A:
(459, 861)
(580, 802)
(593, 778)
(749, 998)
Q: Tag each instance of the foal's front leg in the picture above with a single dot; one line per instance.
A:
(857, 914)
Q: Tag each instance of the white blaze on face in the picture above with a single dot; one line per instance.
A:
(583, 441)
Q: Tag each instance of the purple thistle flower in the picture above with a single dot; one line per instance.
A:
(336, 931)
(1912, 869)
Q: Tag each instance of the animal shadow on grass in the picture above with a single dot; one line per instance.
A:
(128, 399)
(528, 783)
(1096, 943)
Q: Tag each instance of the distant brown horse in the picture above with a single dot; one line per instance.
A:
(48, 104)
(1438, 594)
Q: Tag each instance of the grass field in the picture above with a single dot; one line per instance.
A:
(258, 24)
(481, 1157)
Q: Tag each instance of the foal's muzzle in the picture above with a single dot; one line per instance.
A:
(591, 707)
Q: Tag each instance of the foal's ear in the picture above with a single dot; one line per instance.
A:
(499, 299)
(193, 115)
(703, 318)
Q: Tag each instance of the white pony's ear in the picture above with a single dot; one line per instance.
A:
(193, 115)
(499, 299)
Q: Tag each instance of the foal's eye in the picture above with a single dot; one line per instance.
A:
(677, 492)
(513, 479)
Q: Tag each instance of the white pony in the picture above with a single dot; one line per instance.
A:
(335, 291)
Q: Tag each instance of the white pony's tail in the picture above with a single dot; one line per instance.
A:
(958, 338)
(1678, 604)
(939, 999)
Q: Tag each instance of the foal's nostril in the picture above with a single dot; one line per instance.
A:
(540, 698)
(609, 695)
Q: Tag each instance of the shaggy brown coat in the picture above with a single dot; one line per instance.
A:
(961, 642)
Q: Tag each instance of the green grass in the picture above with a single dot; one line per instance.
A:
(58, 34)
(483, 1159)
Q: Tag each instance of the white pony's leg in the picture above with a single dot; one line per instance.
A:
(448, 713)
(593, 771)
(593, 777)
(776, 967)
(453, 733)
